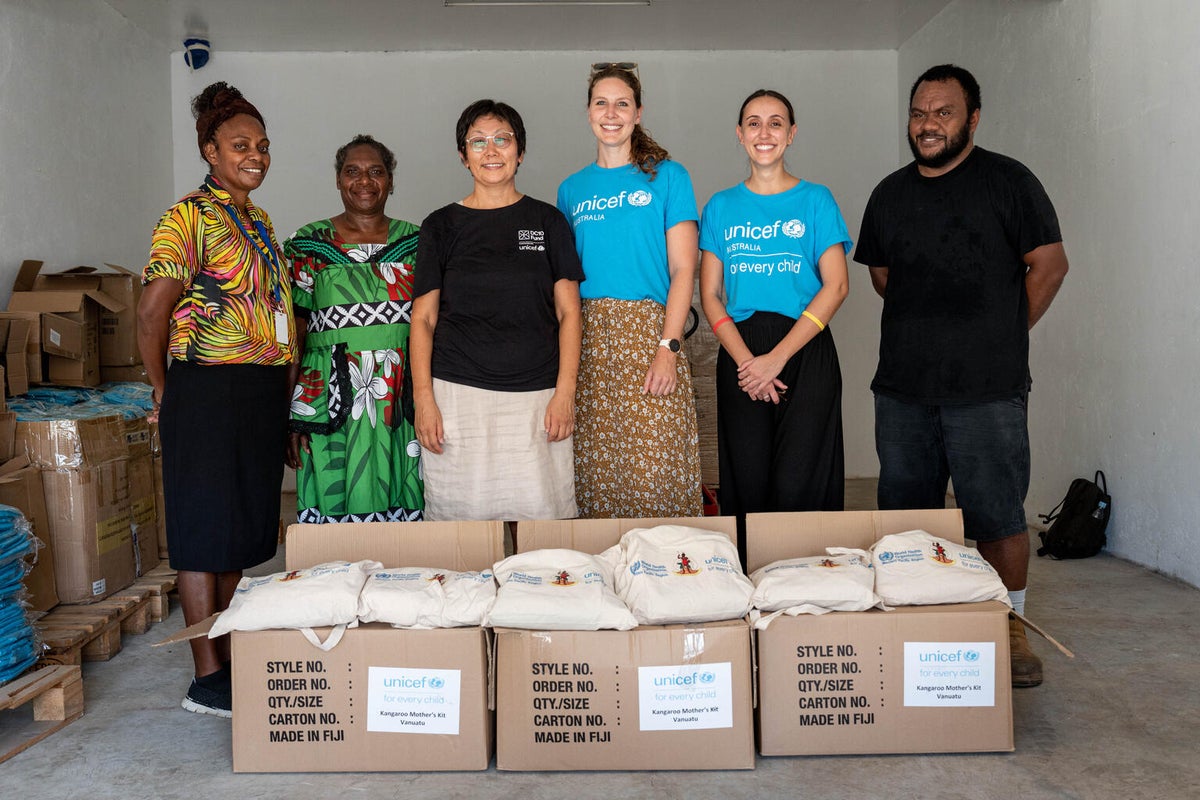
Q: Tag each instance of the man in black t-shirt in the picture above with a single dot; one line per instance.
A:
(964, 247)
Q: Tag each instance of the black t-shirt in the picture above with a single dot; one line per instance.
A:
(955, 325)
(497, 327)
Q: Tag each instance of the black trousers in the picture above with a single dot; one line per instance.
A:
(785, 457)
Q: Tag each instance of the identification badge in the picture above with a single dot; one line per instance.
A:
(281, 327)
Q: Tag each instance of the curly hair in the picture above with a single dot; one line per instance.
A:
(646, 153)
(216, 105)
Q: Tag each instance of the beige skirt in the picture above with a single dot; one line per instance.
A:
(636, 455)
(496, 462)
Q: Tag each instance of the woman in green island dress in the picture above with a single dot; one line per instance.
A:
(352, 438)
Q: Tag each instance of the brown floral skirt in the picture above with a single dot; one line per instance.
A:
(636, 455)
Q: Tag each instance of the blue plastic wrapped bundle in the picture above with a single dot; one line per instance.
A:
(60, 395)
(98, 407)
(128, 393)
(19, 648)
(27, 409)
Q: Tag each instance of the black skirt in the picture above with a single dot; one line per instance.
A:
(224, 431)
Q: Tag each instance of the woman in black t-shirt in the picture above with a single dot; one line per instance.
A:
(495, 339)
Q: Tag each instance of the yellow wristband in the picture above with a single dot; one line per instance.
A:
(820, 325)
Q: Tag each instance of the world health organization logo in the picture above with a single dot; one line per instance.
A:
(640, 198)
(793, 228)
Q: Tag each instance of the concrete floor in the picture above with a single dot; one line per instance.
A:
(1118, 721)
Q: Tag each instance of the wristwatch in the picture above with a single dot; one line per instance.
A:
(671, 344)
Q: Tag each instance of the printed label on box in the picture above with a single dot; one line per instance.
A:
(404, 700)
(686, 697)
(99, 586)
(950, 674)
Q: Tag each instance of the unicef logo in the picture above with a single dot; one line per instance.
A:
(793, 228)
(707, 677)
(436, 683)
(641, 198)
(971, 656)
(886, 558)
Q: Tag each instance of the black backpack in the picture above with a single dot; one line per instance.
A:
(1077, 523)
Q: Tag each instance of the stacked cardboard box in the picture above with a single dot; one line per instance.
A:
(84, 465)
(143, 505)
(917, 679)
(81, 319)
(659, 697)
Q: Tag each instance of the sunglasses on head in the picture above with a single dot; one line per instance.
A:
(624, 66)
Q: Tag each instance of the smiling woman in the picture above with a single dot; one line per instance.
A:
(217, 304)
(352, 441)
(495, 340)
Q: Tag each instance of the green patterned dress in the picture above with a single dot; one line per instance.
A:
(352, 396)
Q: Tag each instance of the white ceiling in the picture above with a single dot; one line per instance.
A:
(382, 25)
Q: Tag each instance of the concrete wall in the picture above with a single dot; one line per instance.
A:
(85, 137)
(1100, 99)
(314, 102)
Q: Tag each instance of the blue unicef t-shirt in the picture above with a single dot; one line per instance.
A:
(769, 245)
(620, 218)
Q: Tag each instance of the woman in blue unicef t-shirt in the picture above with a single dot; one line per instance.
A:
(634, 216)
(775, 248)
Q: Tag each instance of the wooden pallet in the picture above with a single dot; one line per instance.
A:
(36, 705)
(76, 633)
(159, 582)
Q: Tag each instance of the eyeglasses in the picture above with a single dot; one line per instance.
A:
(624, 66)
(479, 143)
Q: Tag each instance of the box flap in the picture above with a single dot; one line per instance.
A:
(61, 302)
(774, 537)
(122, 270)
(597, 535)
(14, 465)
(63, 336)
(106, 300)
(461, 546)
(27, 275)
(201, 628)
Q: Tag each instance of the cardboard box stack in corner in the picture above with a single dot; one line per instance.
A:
(659, 697)
(84, 465)
(81, 319)
(382, 699)
(916, 679)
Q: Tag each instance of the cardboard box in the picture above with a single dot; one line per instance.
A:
(71, 307)
(303, 710)
(21, 487)
(33, 346)
(143, 519)
(917, 679)
(14, 343)
(8, 435)
(674, 697)
(134, 374)
(73, 443)
(160, 507)
(90, 530)
(137, 436)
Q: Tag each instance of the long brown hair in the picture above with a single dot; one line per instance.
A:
(646, 153)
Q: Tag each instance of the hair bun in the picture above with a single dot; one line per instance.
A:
(214, 96)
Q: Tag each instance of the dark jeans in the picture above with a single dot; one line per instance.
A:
(982, 447)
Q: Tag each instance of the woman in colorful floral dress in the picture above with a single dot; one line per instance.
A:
(352, 441)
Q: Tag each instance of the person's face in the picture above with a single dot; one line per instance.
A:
(364, 181)
(939, 128)
(765, 131)
(613, 112)
(241, 154)
(492, 166)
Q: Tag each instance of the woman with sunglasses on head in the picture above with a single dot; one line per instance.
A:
(495, 338)
(634, 215)
(775, 248)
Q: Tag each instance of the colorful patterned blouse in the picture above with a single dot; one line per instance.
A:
(231, 289)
